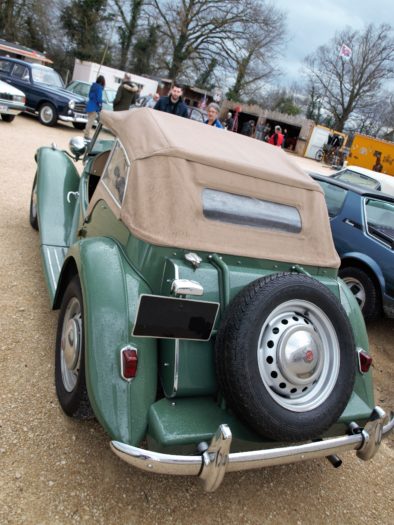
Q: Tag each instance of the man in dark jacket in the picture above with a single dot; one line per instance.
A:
(126, 94)
(173, 103)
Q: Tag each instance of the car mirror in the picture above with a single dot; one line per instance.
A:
(77, 146)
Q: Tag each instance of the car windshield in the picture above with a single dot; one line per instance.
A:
(46, 75)
(358, 179)
(110, 95)
(103, 140)
(335, 197)
(380, 220)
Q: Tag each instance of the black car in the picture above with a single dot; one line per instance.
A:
(193, 113)
(45, 92)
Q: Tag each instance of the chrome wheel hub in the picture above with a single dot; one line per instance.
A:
(357, 290)
(71, 344)
(46, 114)
(298, 355)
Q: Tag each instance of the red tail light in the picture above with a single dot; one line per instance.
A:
(364, 361)
(128, 362)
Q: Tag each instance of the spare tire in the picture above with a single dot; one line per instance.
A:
(285, 357)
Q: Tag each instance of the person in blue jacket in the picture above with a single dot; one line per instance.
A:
(173, 103)
(94, 104)
(213, 113)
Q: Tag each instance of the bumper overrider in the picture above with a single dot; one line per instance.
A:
(215, 459)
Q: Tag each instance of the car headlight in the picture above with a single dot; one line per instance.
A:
(71, 104)
(19, 98)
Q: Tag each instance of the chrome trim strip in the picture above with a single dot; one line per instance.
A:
(216, 460)
(176, 367)
(50, 266)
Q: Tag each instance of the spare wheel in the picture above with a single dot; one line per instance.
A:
(285, 357)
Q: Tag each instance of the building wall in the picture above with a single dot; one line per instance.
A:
(89, 71)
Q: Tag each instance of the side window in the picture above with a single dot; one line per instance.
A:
(116, 173)
(5, 66)
(380, 220)
(21, 72)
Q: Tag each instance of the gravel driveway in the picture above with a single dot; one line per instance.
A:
(54, 470)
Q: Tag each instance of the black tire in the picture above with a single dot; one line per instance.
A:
(79, 125)
(33, 217)
(70, 355)
(365, 291)
(7, 118)
(47, 114)
(285, 390)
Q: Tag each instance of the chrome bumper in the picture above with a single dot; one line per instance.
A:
(68, 118)
(216, 459)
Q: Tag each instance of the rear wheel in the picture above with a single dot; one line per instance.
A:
(7, 118)
(47, 114)
(70, 355)
(285, 357)
(364, 290)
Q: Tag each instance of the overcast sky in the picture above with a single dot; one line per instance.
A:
(311, 23)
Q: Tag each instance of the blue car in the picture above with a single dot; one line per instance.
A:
(362, 224)
(45, 93)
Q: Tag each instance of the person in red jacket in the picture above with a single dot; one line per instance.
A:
(276, 139)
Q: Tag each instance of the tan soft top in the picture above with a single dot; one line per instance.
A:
(174, 159)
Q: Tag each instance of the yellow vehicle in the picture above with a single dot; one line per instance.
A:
(373, 154)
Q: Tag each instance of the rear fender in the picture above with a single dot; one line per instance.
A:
(111, 290)
(363, 387)
(56, 177)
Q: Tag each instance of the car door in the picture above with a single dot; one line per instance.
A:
(5, 70)
(20, 77)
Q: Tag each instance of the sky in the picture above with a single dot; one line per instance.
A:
(311, 23)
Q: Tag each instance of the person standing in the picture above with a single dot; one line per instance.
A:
(276, 139)
(259, 130)
(126, 94)
(94, 105)
(173, 103)
(229, 121)
(213, 113)
(151, 103)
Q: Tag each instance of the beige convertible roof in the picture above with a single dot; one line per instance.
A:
(174, 160)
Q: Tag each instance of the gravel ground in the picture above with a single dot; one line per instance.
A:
(54, 470)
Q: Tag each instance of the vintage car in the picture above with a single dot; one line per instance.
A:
(200, 310)
(12, 101)
(362, 224)
(45, 93)
(82, 88)
(366, 179)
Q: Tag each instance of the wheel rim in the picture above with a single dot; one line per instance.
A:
(357, 290)
(298, 355)
(71, 344)
(46, 114)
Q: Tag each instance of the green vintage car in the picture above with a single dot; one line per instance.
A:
(200, 309)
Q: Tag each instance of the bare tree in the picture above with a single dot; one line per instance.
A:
(194, 30)
(252, 54)
(129, 14)
(350, 85)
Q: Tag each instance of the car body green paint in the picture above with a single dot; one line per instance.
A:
(115, 268)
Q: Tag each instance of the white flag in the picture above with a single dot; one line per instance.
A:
(345, 52)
